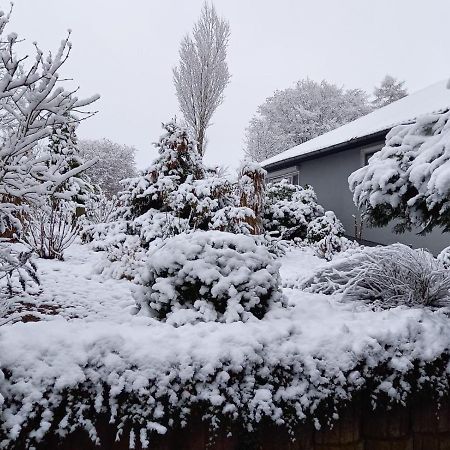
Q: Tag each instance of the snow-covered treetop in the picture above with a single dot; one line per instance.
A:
(115, 163)
(295, 115)
(390, 90)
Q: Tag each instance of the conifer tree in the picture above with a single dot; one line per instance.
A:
(178, 159)
(390, 90)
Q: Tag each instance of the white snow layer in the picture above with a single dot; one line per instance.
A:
(281, 367)
(432, 99)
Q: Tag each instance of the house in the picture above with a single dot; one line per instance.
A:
(326, 162)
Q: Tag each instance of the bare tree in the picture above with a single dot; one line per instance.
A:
(202, 74)
(32, 103)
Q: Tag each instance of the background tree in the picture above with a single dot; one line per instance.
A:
(115, 162)
(202, 74)
(390, 90)
(295, 115)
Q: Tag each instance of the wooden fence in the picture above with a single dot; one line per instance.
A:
(421, 425)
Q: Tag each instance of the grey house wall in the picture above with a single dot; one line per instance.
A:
(329, 174)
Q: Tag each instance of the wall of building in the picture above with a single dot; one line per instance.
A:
(329, 176)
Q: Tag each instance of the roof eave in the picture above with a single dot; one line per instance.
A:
(347, 145)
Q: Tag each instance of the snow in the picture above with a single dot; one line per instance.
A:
(319, 347)
(432, 99)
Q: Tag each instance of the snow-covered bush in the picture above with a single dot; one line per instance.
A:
(233, 219)
(155, 225)
(101, 209)
(99, 216)
(126, 242)
(444, 257)
(198, 200)
(18, 273)
(51, 229)
(289, 209)
(124, 256)
(208, 276)
(251, 186)
(52, 226)
(408, 179)
(178, 160)
(386, 276)
(326, 234)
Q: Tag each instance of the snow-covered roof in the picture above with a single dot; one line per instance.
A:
(431, 99)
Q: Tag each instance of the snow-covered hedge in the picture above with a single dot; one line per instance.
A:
(386, 276)
(208, 276)
(289, 209)
(151, 376)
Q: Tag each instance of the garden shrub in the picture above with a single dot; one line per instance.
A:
(326, 234)
(208, 276)
(289, 208)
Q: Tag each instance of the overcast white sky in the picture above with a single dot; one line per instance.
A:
(125, 51)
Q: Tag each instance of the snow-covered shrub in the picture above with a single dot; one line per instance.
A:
(104, 235)
(99, 225)
(408, 179)
(178, 159)
(289, 208)
(126, 242)
(124, 257)
(326, 234)
(233, 219)
(444, 257)
(208, 276)
(51, 228)
(198, 200)
(252, 187)
(387, 276)
(155, 225)
(18, 273)
(101, 209)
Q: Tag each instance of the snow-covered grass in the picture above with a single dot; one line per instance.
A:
(89, 353)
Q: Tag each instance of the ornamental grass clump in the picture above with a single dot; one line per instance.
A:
(386, 276)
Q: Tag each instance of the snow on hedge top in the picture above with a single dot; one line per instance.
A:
(433, 99)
